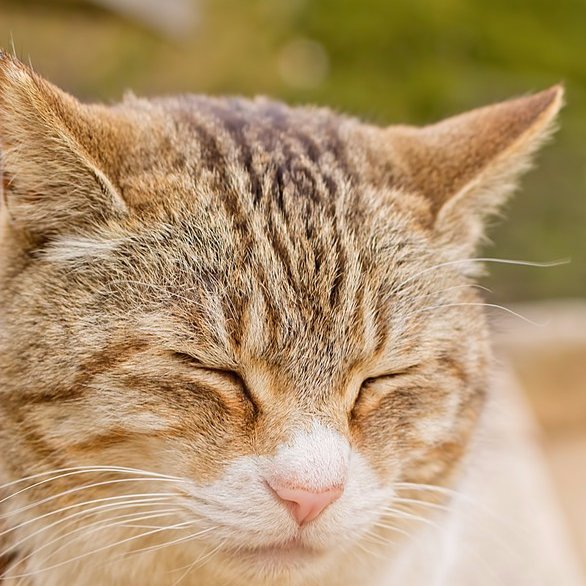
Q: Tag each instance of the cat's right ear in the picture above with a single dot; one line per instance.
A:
(466, 166)
(54, 173)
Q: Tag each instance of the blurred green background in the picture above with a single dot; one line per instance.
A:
(411, 61)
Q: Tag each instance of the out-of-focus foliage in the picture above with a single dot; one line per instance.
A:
(388, 61)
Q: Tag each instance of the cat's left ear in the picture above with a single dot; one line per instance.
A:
(466, 166)
(54, 154)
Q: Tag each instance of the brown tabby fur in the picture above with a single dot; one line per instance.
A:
(304, 250)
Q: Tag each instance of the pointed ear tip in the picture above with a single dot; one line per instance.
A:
(556, 93)
(6, 60)
(551, 100)
(558, 89)
(11, 67)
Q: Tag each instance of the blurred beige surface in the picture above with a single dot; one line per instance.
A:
(550, 363)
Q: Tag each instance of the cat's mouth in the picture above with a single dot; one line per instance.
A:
(290, 552)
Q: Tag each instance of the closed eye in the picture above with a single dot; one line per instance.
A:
(217, 375)
(374, 388)
(389, 375)
(382, 377)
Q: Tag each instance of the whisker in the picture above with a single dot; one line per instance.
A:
(505, 261)
(452, 288)
(477, 507)
(105, 508)
(81, 470)
(479, 304)
(118, 521)
(400, 514)
(427, 487)
(173, 542)
(455, 494)
(106, 547)
(437, 506)
(149, 497)
(152, 548)
(197, 563)
(392, 528)
(378, 539)
(79, 489)
(377, 554)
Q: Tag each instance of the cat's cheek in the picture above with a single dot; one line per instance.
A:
(396, 428)
(174, 432)
(421, 437)
(371, 438)
(438, 459)
(203, 455)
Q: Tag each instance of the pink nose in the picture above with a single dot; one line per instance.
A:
(306, 505)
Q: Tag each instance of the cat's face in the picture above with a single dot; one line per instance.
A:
(271, 308)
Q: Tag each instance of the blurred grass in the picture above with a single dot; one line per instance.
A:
(400, 61)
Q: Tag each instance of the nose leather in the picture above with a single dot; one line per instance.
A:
(305, 505)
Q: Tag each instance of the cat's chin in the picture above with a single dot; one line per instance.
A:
(277, 558)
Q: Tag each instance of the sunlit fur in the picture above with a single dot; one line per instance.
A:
(152, 250)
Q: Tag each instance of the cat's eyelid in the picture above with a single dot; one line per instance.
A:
(188, 358)
(395, 373)
(196, 363)
(226, 373)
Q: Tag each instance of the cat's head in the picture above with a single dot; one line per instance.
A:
(271, 307)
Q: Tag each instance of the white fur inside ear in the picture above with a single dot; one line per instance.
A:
(108, 188)
(69, 248)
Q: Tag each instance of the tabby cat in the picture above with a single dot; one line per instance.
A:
(239, 341)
